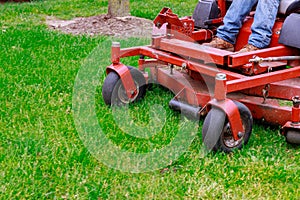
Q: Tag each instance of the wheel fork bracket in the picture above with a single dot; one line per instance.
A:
(228, 106)
(126, 78)
(233, 114)
(122, 70)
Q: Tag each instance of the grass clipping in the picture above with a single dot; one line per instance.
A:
(123, 27)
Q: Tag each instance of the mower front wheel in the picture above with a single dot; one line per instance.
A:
(293, 137)
(113, 91)
(216, 131)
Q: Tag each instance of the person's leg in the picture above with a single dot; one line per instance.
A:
(264, 19)
(234, 18)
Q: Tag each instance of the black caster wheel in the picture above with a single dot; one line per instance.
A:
(113, 91)
(216, 131)
(292, 137)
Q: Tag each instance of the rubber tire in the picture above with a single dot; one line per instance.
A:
(215, 131)
(112, 83)
(293, 137)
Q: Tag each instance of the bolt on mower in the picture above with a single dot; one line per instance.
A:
(229, 88)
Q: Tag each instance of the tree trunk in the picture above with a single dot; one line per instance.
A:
(118, 8)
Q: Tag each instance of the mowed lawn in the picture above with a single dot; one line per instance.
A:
(43, 155)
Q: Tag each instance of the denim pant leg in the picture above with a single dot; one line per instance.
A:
(264, 19)
(234, 18)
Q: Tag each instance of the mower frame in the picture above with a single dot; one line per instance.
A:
(189, 70)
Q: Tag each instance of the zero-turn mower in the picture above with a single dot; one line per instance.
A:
(229, 88)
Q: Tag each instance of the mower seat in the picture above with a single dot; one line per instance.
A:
(289, 32)
(287, 7)
(290, 29)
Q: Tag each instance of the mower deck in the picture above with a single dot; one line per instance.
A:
(191, 78)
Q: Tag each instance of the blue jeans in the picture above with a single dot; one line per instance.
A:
(261, 28)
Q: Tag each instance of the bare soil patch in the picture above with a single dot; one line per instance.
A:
(16, 1)
(123, 27)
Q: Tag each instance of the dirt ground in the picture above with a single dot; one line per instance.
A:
(122, 27)
(9, 1)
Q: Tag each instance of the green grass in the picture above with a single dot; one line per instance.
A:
(42, 154)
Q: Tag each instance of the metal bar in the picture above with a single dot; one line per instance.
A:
(201, 35)
(194, 50)
(271, 59)
(198, 67)
(127, 52)
(169, 58)
(262, 79)
(222, 6)
(237, 60)
(115, 53)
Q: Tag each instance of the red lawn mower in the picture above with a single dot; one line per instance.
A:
(229, 88)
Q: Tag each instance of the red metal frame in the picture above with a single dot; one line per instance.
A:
(196, 63)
